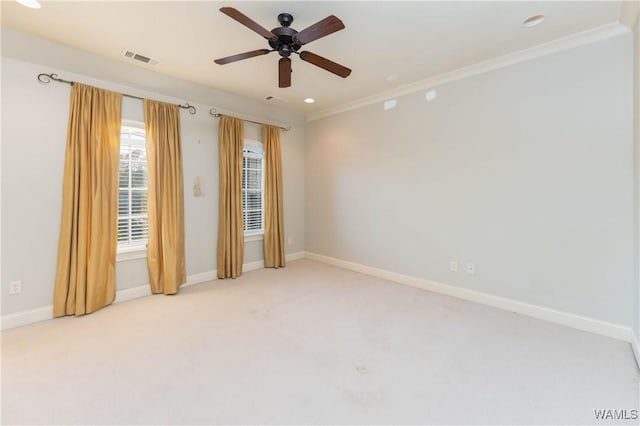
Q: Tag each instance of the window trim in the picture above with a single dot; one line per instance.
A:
(257, 234)
(133, 251)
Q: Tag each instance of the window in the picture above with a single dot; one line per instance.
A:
(133, 229)
(252, 188)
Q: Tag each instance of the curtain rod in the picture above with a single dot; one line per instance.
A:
(46, 78)
(216, 114)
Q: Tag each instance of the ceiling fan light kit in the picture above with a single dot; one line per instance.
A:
(287, 41)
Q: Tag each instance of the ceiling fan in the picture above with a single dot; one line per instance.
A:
(285, 41)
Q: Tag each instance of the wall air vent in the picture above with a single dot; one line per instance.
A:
(130, 54)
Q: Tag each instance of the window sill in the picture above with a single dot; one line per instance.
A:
(131, 254)
(253, 237)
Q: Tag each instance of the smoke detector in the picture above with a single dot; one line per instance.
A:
(130, 54)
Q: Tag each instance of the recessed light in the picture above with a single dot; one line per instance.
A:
(309, 100)
(392, 77)
(431, 95)
(31, 4)
(532, 21)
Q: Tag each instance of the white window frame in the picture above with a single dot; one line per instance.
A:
(256, 234)
(138, 249)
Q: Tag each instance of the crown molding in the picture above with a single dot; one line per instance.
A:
(629, 12)
(586, 37)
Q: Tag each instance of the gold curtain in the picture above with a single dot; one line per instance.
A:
(273, 211)
(230, 232)
(86, 270)
(165, 204)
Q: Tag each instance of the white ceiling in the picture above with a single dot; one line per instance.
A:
(415, 40)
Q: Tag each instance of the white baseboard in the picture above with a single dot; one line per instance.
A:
(294, 256)
(635, 345)
(564, 318)
(132, 293)
(259, 264)
(144, 290)
(46, 312)
(202, 277)
(27, 317)
(252, 266)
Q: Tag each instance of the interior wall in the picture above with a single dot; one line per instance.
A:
(524, 171)
(636, 121)
(34, 126)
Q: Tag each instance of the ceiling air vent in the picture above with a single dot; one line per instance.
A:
(138, 57)
(272, 98)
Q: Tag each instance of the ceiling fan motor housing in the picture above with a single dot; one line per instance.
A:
(285, 44)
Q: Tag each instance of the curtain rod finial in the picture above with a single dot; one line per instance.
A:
(45, 78)
(191, 108)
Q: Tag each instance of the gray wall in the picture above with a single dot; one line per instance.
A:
(636, 120)
(525, 171)
(34, 125)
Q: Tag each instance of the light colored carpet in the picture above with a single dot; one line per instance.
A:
(310, 344)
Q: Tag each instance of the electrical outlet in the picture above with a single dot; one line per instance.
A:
(15, 287)
(453, 266)
(290, 240)
(471, 268)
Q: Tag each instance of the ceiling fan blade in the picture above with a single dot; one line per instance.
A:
(327, 26)
(284, 72)
(326, 64)
(248, 22)
(240, 56)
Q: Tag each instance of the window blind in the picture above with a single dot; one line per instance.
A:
(252, 190)
(133, 229)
